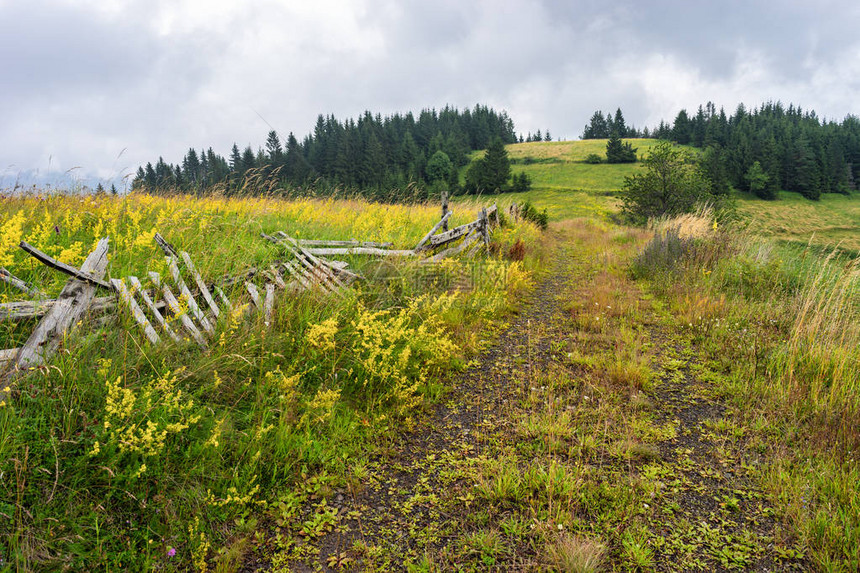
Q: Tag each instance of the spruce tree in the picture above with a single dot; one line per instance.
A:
(235, 159)
(274, 149)
(597, 127)
(618, 152)
(619, 126)
(681, 128)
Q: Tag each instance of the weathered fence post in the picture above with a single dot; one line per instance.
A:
(73, 301)
(485, 233)
(444, 210)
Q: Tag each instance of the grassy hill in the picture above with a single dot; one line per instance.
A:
(561, 165)
(567, 187)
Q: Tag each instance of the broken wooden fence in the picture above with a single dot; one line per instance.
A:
(159, 311)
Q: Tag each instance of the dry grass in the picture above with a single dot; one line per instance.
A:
(575, 554)
(698, 225)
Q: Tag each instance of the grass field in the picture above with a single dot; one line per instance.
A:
(834, 220)
(567, 188)
(118, 455)
(561, 165)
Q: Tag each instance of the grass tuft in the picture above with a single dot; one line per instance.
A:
(575, 554)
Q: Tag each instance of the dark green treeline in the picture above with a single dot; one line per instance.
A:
(382, 158)
(761, 150)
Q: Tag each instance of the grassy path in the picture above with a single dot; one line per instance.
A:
(585, 439)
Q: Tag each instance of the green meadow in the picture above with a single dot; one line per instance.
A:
(567, 187)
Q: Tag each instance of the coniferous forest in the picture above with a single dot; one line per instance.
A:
(384, 158)
(401, 157)
(761, 150)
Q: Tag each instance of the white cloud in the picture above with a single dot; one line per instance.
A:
(86, 79)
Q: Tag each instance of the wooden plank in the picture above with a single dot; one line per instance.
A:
(73, 302)
(255, 294)
(7, 356)
(153, 308)
(17, 283)
(136, 311)
(453, 234)
(314, 279)
(63, 267)
(470, 238)
(297, 273)
(176, 309)
(315, 273)
(186, 294)
(269, 304)
(335, 251)
(340, 268)
(224, 300)
(443, 222)
(26, 309)
(351, 243)
(201, 286)
(494, 211)
(275, 275)
(165, 246)
(316, 262)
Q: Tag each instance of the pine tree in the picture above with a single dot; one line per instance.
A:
(274, 149)
(597, 127)
(491, 172)
(619, 126)
(618, 152)
(249, 159)
(139, 181)
(235, 159)
(297, 168)
(411, 158)
(191, 167)
(373, 162)
(714, 169)
(807, 176)
(681, 128)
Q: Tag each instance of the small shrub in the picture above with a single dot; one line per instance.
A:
(662, 255)
(637, 553)
(539, 218)
(593, 159)
(521, 182)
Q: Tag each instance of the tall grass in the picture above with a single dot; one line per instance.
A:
(781, 326)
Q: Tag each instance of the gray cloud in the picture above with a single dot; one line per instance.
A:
(84, 80)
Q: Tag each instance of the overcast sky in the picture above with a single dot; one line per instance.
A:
(101, 86)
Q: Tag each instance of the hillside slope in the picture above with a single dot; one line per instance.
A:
(567, 187)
